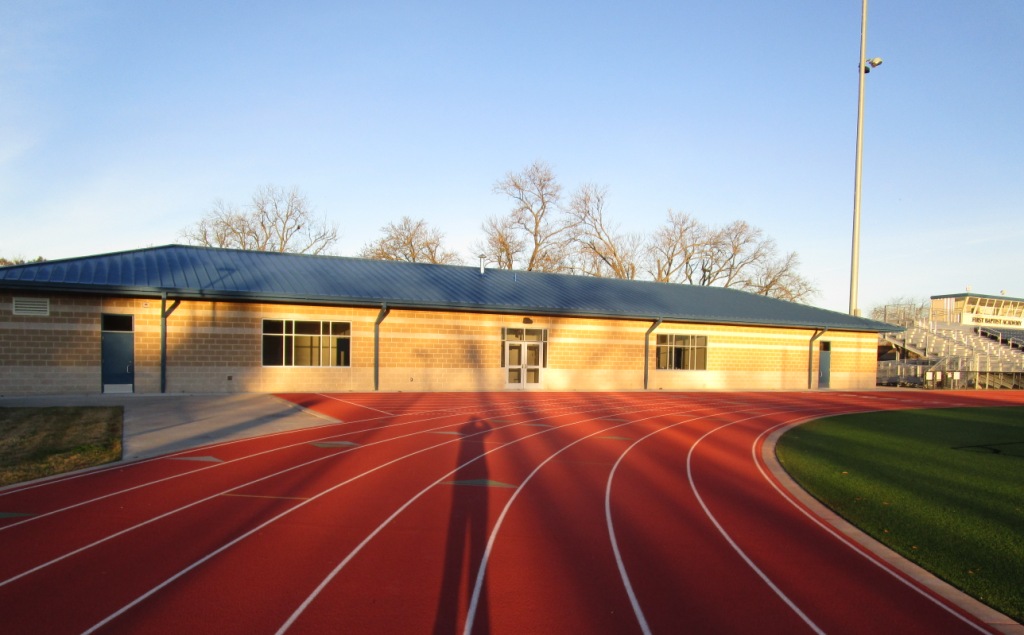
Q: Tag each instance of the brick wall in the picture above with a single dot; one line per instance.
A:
(217, 347)
(58, 353)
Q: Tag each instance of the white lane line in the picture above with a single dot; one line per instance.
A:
(482, 570)
(280, 498)
(441, 414)
(641, 619)
(478, 583)
(623, 574)
(127, 607)
(323, 584)
(18, 488)
(357, 405)
(732, 543)
(471, 405)
(217, 465)
(131, 464)
(265, 524)
(125, 465)
(759, 462)
(207, 498)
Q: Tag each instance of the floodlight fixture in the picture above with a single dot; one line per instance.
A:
(874, 62)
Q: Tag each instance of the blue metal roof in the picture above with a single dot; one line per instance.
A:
(226, 274)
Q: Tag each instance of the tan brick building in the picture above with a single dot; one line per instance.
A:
(188, 319)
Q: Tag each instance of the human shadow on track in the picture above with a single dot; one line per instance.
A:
(467, 533)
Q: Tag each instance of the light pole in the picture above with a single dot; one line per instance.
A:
(863, 69)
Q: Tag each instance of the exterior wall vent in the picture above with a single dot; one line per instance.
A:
(39, 307)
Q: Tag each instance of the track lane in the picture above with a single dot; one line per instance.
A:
(206, 585)
(109, 575)
(839, 590)
(562, 577)
(102, 519)
(69, 567)
(734, 498)
(678, 564)
(551, 541)
(128, 508)
(331, 600)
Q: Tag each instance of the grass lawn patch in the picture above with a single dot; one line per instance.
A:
(37, 442)
(944, 488)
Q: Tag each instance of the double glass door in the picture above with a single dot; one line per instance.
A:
(524, 356)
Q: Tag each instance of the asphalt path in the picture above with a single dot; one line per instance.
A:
(475, 513)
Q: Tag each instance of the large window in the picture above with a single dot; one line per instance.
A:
(682, 352)
(305, 343)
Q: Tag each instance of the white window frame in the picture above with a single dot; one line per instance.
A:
(681, 352)
(293, 352)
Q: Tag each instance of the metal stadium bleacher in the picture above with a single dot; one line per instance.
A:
(1011, 337)
(950, 355)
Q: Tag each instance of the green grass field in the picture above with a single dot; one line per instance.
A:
(38, 442)
(944, 488)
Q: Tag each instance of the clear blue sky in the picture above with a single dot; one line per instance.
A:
(122, 122)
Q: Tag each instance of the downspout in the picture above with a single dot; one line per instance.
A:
(810, 356)
(164, 314)
(384, 310)
(647, 349)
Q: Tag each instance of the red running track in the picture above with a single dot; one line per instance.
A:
(476, 513)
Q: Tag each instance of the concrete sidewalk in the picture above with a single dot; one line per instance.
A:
(160, 424)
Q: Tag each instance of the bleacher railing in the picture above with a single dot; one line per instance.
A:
(946, 358)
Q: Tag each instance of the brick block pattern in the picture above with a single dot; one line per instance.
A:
(55, 354)
(217, 347)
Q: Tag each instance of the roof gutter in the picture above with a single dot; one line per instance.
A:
(284, 298)
(647, 349)
(164, 314)
(384, 310)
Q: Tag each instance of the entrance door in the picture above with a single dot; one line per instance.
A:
(117, 353)
(824, 364)
(524, 357)
(523, 363)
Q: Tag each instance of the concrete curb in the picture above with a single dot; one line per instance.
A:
(993, 618)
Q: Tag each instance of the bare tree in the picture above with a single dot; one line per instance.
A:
(737, 255)
(603, 250)
(778, 278)
(902, 310)
(410, 241)
(532, 234)
(502, 245)
(542, 234)
(7, 262)
(223, 226)
(731, 252)
(275, 220)
(673, 248)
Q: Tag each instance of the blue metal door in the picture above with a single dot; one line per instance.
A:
(824, 364)
(117, 354)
